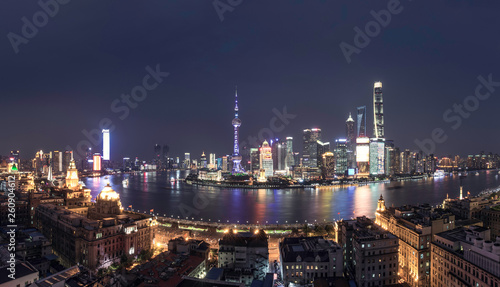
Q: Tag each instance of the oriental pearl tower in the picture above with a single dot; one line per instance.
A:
(237, 168)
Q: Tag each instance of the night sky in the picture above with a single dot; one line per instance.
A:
(65, 78)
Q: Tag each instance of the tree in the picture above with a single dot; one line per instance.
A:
(319, 230)
(306, 229)
(124, 259)
(329, 229)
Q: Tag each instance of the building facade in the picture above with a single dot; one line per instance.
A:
(244, 256)
(310, 152)
(465, 257)
(266, 159)
(98, 235)
(378, 111)
(304, 259)
(414, 227)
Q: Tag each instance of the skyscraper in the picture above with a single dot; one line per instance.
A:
(340, 153)
(281, 149)
(361, 122)
(328, 165)
(203, 160)
(310, 154)
(377, 156)
(105, 144)
(164, 156)
(322, 148)
(97, 162)
(187, 160)
(237, 168)
(350, 142)
(127, 163)
(363, 155)
(289, 159)
(67, 158)
(378, 110)
(56, 162)
(254, 160)
(266, 159)
(213, 164)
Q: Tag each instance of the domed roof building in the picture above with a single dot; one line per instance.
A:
(107, 204)
(98, 234)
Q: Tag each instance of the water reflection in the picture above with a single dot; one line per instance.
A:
(150, 190)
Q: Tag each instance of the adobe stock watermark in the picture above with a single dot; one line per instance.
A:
(223, 6)
(372, 29)
(458, 113)
(121, 107)
(277, 124)
(40, 19)
(12, 226)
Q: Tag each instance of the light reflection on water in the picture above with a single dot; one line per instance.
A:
(151, 190)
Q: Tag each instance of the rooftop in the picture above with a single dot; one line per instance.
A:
(193, 282)
(58, 277)
(247, 239)
(310, 249)
(167, 269)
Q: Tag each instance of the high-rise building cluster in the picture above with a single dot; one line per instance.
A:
(353, 156)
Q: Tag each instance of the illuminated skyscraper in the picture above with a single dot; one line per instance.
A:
(203, 160)
(67, 158)
(97, 162)
(187, 160)
(89, 160)
(127, 163)
(321, 148)
(289, 159)
(350, 142)
(237, 168)
(56, 162)
(164, 156)
(281, 154)
(377, 156)
(378, 110)
(105, 144)
(363, 155)
(310, 154)
(224, 164)
(350, 134)
(266, 159)
(361, 123)
(212, 163)
(340, 152)
(254, 160)
(328, 165)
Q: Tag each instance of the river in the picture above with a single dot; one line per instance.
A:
(153, 190)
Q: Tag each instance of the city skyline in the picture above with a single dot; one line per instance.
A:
(250, 143)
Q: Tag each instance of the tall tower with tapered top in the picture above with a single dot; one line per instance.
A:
(237, 168)
(378, 110)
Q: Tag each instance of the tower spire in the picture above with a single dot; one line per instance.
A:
(237, 168)
(236, 102)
